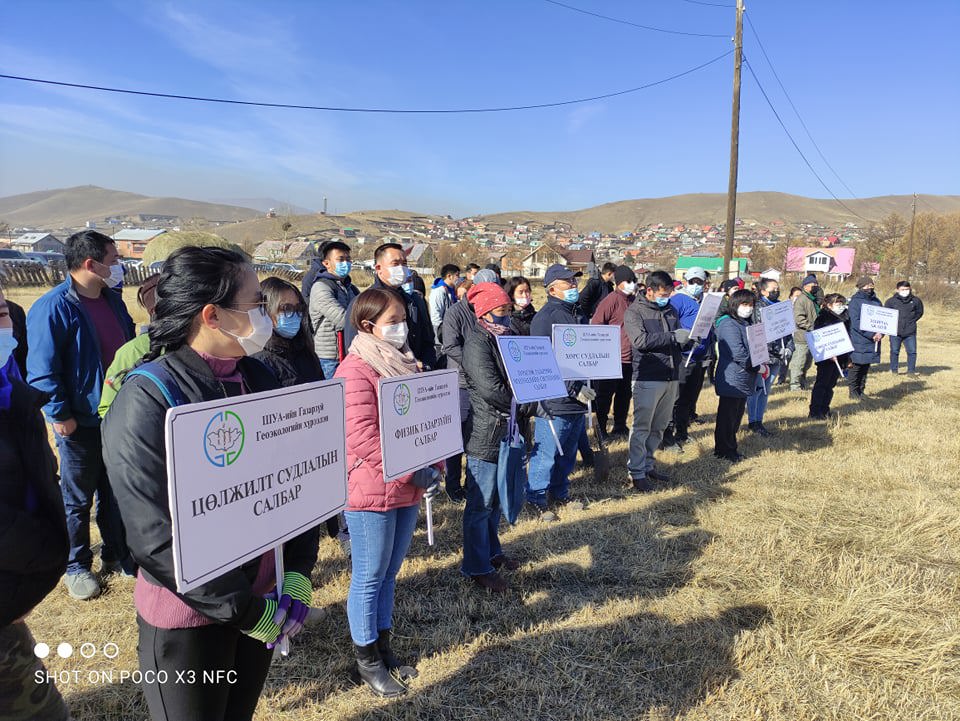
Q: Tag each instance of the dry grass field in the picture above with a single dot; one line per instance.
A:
(816, 580)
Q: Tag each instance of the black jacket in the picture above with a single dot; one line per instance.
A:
(292, 360)
(595, 290)
(828, 317)
(306, 283)
(781, 349)
(656, 353)
(134, 451)
(490, 395)
(33, 528)
(458, 322)
(19, 319)
(521, 320)
(559, 312)
(911, 310)
(419, 328)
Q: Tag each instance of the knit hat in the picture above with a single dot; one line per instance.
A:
(809, 280)
(864, 281)
(487, 296)
(485, 276)
(624, 274)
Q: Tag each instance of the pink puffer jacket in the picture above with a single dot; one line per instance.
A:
(366, 490)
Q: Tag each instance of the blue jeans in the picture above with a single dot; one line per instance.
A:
(757, 403)
(379, 541)
(328, 366)
(83, 476)
(910, 343)
(549, 471)
(481, 518)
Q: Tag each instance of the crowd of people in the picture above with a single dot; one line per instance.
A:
(217, 331)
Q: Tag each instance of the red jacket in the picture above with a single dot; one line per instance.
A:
(366, 490)
(610, 311)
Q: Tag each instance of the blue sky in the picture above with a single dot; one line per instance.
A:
(876, 82)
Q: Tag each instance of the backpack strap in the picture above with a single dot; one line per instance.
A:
(163, 380)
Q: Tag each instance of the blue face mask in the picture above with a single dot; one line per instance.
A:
(343, 268)
(503, 320)
(695, 289)
(662, 302)
(571, 295)
(407, 288)
(289, 325)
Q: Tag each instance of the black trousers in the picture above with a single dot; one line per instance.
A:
(857, 378)
(822, 394)
(691, 383)
(729, 417)
(619, 393)
(241, 662)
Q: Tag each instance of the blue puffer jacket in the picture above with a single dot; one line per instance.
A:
(553, 312)
(64, 359)
(865, 349)
(735, 377)
(687, 308)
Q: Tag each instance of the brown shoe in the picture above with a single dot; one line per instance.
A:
(505, 562)
(492, 581)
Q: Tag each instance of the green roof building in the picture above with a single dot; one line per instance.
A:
(714, 266)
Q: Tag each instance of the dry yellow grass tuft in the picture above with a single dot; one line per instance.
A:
(816, 580)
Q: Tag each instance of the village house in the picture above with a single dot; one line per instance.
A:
(835, 263)
(132, 242)
(270, 251)
(38, 243)
(711, 264)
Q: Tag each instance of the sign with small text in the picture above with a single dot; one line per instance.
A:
(829, 342)
(531, 368)
(877, 319)
(778, 320)
(588, 352)
(757, 342)
(703, 323)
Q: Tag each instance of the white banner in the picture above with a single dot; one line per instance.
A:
(703, 323)
(587, 352)
(828, 342)
(531, 368)
(250, 472)
(778, 320)
(419, 421)
(877, 319)
(757, 342)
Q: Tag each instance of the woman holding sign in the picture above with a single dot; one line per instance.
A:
(209, 318)
(829, 370)
(736, 375)
(866, 345)
(381, 516)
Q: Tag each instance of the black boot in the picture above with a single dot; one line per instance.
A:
(373, 672)
(392, 662)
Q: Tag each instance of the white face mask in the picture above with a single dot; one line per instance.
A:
(395, 335)
(261, 330)
(522, 301)
(116, 275)
(629, 288)
(903, 292)
(7, 345)
(745, 311)
(396, 275)
(838, 309)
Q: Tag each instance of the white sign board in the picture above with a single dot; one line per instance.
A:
(419, 421)
(778, 320)
(829, 342)
(757, 342)
(531, 368)
(703, 323)
(877, 319)
(588, 352)
(249, 472)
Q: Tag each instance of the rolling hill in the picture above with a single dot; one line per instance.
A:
(72, 207)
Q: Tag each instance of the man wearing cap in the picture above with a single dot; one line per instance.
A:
(866, 345)
(610, 311)
(686, 303)
(458, 322)
(910, 308)
(656, 337)
(806, 308)
(549, 475)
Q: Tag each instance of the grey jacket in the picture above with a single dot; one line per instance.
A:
(439, 305)
(329, 298)
(457, 323)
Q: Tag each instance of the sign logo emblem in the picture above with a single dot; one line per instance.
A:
(569, 337)
(223, 439)
(401, 399)
(513, 348)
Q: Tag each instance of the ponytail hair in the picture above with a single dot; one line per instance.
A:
(192, 278)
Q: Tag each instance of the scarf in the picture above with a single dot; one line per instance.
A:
(384, 358)
(494, 328)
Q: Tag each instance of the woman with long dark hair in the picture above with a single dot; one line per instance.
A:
(289, 351)
(208, 320)
(518, 290)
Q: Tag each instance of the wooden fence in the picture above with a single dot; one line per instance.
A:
(25, 275)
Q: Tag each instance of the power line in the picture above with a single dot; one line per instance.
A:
(794, 142)
(796, 112)
(406, 111)
(710, 5)
(632, 24)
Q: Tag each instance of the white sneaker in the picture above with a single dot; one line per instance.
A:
(82, 586)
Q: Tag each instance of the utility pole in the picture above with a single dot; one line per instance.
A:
(913, 222)
(734, 144)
